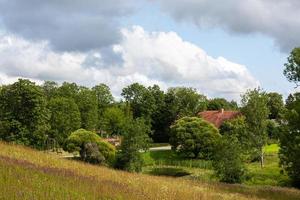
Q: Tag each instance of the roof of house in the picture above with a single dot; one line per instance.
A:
(218, 117)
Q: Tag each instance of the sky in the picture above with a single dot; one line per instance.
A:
(221, 48)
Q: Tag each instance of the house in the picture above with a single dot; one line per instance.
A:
(218, 117)
(116, 141)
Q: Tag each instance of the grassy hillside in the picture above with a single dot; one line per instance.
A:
(28, 174)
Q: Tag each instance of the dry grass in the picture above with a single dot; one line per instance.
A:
(29, 174)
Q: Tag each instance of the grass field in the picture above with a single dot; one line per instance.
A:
(167, 163)
(29, 174)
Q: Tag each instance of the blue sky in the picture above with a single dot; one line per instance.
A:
(221, 49)
(259, 53)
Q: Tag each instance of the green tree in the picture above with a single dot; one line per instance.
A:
(275, 105)
(186, 101)
(24, 117)
(255, 109)
(65, 118)
(289, 152)
(134, 140)
(50, 89)
(228, 160)
(194, 137)
(237, 128)
(114, 120)
(292, 67)
(68, 90)
(221, 103)
(88, 106)
(105, 99)
(158, 116)
(84, 141)
(140, 101)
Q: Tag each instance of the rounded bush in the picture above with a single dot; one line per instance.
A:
(85, 142)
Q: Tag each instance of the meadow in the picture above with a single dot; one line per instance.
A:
(167, 163)
(30, 174)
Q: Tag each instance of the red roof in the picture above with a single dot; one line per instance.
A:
(218, 117)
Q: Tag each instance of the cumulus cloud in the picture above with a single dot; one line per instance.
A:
(161, 58)
(68, 25)
(276, 19)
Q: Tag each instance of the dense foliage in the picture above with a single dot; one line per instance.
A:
(221, 103)
(134, 140)
(256, 111)
(65, 118)
(290, 140)
(228, 160)
(194, 137)
(24, 117)
(292, 67)
(90, 146)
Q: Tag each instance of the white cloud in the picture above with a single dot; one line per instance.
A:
(68, 25)
(276, 19)
(148, 57)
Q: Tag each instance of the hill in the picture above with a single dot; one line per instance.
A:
(29, 174)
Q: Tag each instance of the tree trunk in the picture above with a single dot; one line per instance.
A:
(262, 158)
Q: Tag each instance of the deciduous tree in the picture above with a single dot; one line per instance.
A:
(194, 137)
(255, 109)
(24, 117)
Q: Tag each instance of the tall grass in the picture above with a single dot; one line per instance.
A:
(28, 174)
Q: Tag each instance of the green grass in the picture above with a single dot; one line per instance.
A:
(159, 145)
(271, 149)
(169, 158)
(202, 170)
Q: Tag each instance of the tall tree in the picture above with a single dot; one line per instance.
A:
(88, 107)
(114, 120)
(50, 89)
(186, 101)
(158, 116)
(255, 109)
(134, 140)
(140, 100)
(68, 90)
(275, 105)
(24, 117)
(65, 118)
(292, 67)
(289, 153)
(104, 98)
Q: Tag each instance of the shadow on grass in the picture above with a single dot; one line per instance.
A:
(168, 171)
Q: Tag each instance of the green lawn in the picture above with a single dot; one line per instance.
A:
(168, 163)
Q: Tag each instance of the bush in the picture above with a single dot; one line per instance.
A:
(194, 137)
(90, 153)
(227, 162)
(85, 142)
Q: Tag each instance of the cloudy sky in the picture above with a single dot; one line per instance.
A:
(221, 48)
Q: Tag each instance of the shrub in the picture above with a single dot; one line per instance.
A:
(85, 142)
(227, 162)
(90, 153)
(194, 137)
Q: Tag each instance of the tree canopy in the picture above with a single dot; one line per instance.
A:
(255, 109)
(194, 137)
(24, 117)
(292, 67)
